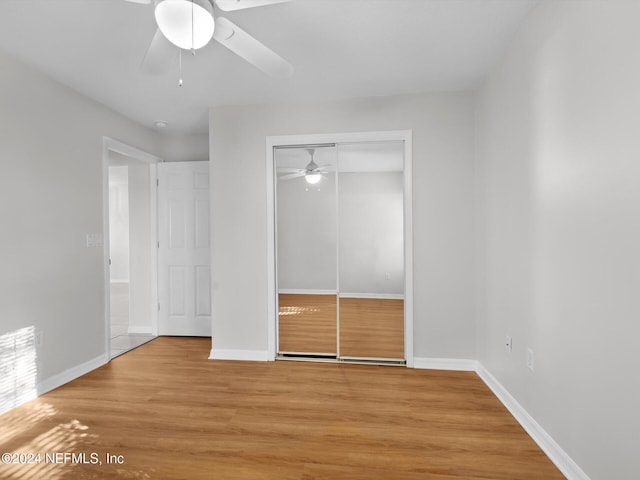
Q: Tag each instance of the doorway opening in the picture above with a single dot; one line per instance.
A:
(130, 247)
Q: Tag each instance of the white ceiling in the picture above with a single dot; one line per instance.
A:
(339, 48)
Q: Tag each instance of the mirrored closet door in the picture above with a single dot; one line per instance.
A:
(306, 219)
(340, 257)
(370, 251)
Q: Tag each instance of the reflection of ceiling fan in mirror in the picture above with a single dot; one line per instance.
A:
(312, 173)
(190, 25)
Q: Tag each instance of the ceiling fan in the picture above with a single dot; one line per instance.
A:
(190, 25)
(312, 173)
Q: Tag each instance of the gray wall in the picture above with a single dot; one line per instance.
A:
(442, 127)
(558, 228)
(51, 187)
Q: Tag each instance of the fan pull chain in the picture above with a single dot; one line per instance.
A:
(193, 41)
(193, 28)
(193, 50)
(180, 66)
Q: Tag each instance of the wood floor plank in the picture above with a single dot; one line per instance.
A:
(174, 414)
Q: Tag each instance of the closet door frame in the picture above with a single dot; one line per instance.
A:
(273, 142)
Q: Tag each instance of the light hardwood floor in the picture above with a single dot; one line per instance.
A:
(173, 414)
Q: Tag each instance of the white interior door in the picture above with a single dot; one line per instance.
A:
(184, 279)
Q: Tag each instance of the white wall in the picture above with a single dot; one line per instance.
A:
(442, 127)
(181, 147)
(559, 228)
(140, 247)
(119, 223)
(51, 187)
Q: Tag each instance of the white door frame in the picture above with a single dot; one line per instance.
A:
(111, 145)
(405, 136)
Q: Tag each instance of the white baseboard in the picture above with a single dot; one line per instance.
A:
(378, 296)
(558, 456)
(381, 296)
(246, 355)
(72, 373)
(548, 445)
(140, 329)
(302, 291)
(458, 364)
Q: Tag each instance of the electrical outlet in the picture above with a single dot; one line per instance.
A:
(39, 338)
(387, 276)
(530, 359)
(508, 345)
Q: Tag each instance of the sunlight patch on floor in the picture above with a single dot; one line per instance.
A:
(18, 368)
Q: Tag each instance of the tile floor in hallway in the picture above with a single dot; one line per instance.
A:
(123, 343)
(121, 340)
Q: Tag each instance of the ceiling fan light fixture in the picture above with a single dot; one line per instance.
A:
(313, 178)
(187, 24)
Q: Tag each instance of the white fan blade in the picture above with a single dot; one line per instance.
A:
(324, 167)
(144, 2)
(160, 54)
(230, 5)
(293, 175)
(247, 47)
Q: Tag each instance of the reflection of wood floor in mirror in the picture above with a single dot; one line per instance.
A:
(307, 323)
(370, 328)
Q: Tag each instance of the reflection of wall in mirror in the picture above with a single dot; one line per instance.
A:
(371, 233)
(307, 234)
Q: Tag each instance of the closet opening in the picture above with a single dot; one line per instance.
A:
(340, 250)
